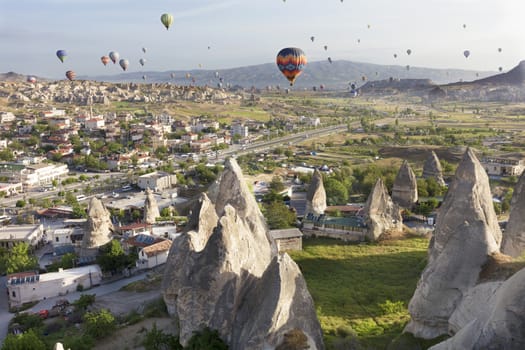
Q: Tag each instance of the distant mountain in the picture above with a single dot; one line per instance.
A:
(336, 75)
(515, 76)
(12, 76)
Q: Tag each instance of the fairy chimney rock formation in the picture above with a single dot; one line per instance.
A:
(316, 195)
(151, 210)
(404, 192)
(513, 243)
(466, 233)
(432, 169)
(500, 322)
(381, 214)
(99, 228)
(224, 273)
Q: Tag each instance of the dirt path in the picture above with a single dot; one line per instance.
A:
(121, 302)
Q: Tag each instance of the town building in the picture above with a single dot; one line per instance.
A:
(240, 129)
(6, 117)
(287, 239)
(28, 287)
(503, 166)
(14, 234)
(153, 255)
(157, 181)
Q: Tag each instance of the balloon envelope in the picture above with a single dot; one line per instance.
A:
(291, 61)
(70, 75)
(142, 61)
(167, 20)
(105, 60)
(144, 49)
(325, 47)
(31, 79)
(466, 53)
(114, 56)
(409, 52)
(61, 54)
(312, 38)
(124, 63)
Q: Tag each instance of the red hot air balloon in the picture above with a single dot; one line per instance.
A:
(105, 60)
(31, 79)
(291, 61)
(70, 75)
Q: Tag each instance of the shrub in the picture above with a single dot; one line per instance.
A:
(84, 301)
(294, 339)
(99, 324)
(158, 340)
(392, 307)
(206, 339)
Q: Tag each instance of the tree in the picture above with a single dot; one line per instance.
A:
(276, 185)
(84, 301)
(278, 215)
(99, 324)
(20, 203)
(156, 339)
(113, 258)
(336, 192)
(19, 259)
(24, 341)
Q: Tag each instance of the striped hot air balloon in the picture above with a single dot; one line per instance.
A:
(105, 60)
(291, 62)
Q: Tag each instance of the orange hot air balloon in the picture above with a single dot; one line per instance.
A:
(105, 60)
(291, 62)
(70, 75)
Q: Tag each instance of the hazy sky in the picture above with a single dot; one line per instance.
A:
(248, 32)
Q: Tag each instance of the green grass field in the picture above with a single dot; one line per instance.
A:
(365, 287)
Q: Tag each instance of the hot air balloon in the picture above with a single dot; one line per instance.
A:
(209, 47)
(124, 63)
(167, 20)
(325, 47)
(114, 56)
(291, 62)
(499, 49)
(312, 38)
(31, 79)
(500, 69)
(172, 75)
(363, 78)
(477, 74)
(409, 52)
(70, 75)
(216, 74)
(408, 67)
(142, 61)
(200, 65)
(144, 49)
(105, 60)
(358, 41)
(321, 87)
(188, 75)
(395, 55)
(61, 54)
(368, 26)
(464, 26)
(330, 60)
(144, 77)
(466, 53)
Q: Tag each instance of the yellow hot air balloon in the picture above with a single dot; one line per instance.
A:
(167, 20)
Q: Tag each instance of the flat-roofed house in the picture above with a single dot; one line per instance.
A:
(13, 234)
(30, 286)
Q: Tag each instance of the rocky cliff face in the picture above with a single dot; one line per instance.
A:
(316, 195)
(498, 321)
(99, 228)
(151, 210)
(224, 273)
(514, 236)
(466, 233)
(404, 192)
(432, 169)
(381, 214)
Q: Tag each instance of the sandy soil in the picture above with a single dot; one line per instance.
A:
(121, 303)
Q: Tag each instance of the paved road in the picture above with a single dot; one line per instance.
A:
(5, 315)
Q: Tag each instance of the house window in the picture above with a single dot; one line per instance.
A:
(56, 238)
(14, 294)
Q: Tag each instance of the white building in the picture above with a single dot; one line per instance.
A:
(240, 129)
(3, 143)
(11, 235)
(62, 237)
(94, 123)
(6, 117)
(154, 255)
(165, 231)
(44, 173)
(53, 113)
(157, 181)
(27, 287)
